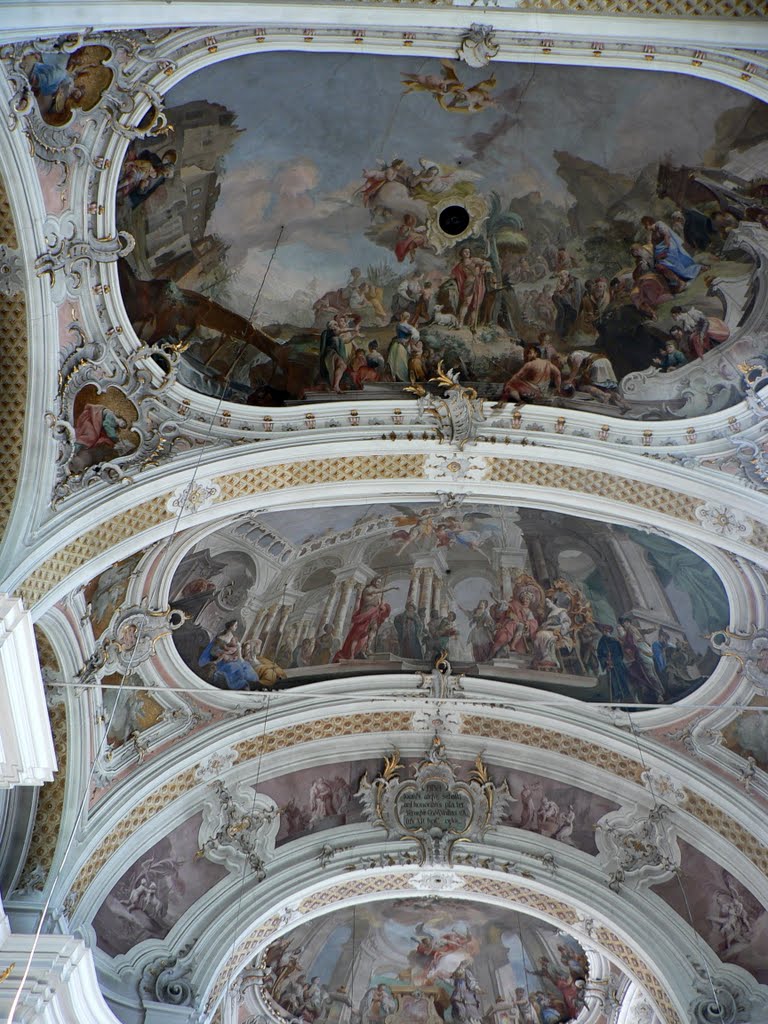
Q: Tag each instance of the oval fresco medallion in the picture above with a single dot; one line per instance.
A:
(543, 599)
(560, 235)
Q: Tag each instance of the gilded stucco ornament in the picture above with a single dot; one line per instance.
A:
(440, 683)
(129, 640)
(456, 466)
(723, 520)
(193, 497)
(435, 808)
(638, 846)
(456, 414)
(751, 651)
(108, 416)
(63, 86)
(69, 258)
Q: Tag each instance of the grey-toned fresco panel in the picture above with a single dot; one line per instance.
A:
(729, 917)
(156, 890)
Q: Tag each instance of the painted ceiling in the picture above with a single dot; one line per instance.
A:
(384, 395)
(471, 219)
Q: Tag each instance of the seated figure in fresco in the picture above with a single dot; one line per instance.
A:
(97, 436)
(229, 670)
(670, 258)
(671, 357)
(236, 667)
(537, 379)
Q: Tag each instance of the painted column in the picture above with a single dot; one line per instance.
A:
(425, 599)
(351, 583)
(330, 604)
(541, 570)
(506, 582)
(266, 632)
(413, 586)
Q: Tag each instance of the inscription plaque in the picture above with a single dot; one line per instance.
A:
(436, 808)
(433, 808)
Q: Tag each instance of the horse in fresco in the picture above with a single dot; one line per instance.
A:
(160, 310)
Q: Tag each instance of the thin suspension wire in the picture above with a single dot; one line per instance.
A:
(522, 953)
(496, 702)
(122, 687)
(678, 871)
(241, 895)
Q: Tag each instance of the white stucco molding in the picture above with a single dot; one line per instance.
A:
(27, 756)
(29, 18)
(61, 986)
(503, 754)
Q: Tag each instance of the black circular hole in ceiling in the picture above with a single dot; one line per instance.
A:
(453, 220)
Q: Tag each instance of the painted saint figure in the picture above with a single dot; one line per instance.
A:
(371, 611)
(610, 654)
(469, 274)
(669, 256)
(465, 996)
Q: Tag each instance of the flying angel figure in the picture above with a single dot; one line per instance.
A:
(472, 532)
(437, 85)
(469, 99)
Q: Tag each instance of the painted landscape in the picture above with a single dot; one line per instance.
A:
(561, 236)
(535, 598)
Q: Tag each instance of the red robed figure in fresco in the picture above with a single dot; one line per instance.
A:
(371, 611)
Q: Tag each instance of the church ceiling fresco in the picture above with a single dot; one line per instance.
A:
(426, 960)
(164, 882)
(541, 599)
(730, 918)
(566, 236)
(326, 227)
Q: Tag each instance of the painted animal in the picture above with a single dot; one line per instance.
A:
(444, 319)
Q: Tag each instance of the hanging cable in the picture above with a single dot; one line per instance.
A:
(262, 746)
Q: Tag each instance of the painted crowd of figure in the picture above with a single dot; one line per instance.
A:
(556, 317)
(531, 317)
(441, 971)
(552, 630)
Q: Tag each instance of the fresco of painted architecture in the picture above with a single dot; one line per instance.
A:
(578, 607)
(554, 243)
(427, 960)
